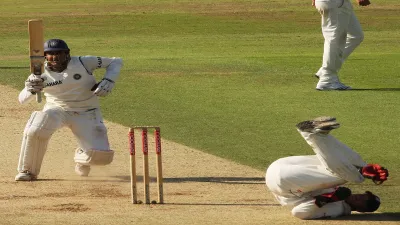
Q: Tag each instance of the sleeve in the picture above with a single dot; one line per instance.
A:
(112, 65)
(308, 210)
(25, 96)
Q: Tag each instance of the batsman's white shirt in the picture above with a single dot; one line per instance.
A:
(70, 101)
(295, 180)
(71, 89)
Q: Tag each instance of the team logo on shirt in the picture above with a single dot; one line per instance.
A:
(99, 62)
(58, 82)
(77, 76)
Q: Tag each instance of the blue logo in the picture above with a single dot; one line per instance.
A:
(77, 76)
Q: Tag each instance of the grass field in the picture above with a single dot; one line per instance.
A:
(231, 78)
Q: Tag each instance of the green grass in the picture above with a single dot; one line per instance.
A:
(231, 78)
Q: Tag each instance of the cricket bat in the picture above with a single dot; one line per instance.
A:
(36, 49)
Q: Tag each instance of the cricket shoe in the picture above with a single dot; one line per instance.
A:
(318, 74)
(25, 176)
(82, 170)
(331, 85)
(323, 125)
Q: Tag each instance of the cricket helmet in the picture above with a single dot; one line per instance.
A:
(57, 55)
(55, 45)
(373, 202)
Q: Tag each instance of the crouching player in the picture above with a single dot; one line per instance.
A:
(311, 184)
(71, 93)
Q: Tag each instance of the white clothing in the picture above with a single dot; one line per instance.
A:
(342, 33)
(71, 89)
(69, 102)
(295, 180)
(87, 127)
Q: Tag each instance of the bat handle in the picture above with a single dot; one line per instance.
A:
(37, 70)
(39, 97)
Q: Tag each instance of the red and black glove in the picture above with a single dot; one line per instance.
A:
(375, 172)
(340, 194)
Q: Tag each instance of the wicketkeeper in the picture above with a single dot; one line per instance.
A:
(311, 184)
(71, 93)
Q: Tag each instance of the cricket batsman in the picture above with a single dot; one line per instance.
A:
(71, 92)
(311, 184)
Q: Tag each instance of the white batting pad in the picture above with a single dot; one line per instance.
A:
(34, 144)
(93, 157)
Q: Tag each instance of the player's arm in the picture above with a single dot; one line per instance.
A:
(309, 210)
(113, 67)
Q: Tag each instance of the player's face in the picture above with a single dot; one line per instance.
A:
(57, 60)
(358, 202)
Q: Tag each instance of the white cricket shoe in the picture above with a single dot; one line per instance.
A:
(82, 170)
(331, 85)
(25, 176)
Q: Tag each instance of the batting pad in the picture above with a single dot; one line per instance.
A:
(34, 143)
(93, 157)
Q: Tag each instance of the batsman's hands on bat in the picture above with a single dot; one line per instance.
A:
(34, 83)
(375, 172)
(103, 88)
(363, 2)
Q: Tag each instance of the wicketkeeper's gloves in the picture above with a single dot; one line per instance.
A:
(375, 172)
(340, 194)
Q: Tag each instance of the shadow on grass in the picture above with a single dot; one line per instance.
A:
(374, 89)
(230, 180)
(14, 67)
(225, 204)
(227, 180)
(371, 217)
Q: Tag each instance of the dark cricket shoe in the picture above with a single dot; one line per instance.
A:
(323, 124)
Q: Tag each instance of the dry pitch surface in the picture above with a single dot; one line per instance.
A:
(199, 188)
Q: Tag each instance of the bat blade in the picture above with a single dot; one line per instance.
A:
(36, 49)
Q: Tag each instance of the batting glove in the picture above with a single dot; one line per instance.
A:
(103, 88)
(34, 83)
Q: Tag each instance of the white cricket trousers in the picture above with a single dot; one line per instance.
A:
(87, 127)
(342, 33)
(296, 178)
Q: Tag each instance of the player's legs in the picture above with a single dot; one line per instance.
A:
(299, 176)
(334, 26)
(355, 36)
(333, 154)
(91, 133)
(354, 31)
(37, 133)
